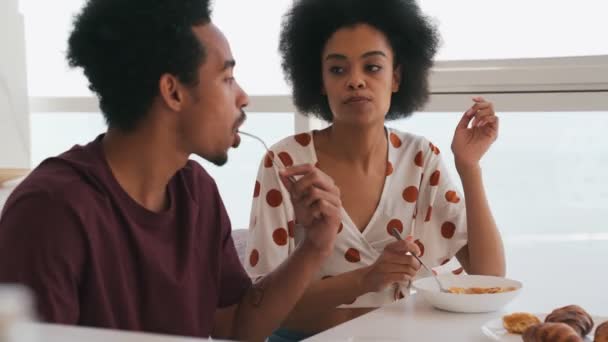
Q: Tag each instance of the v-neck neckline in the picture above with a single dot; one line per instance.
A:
(346, 219)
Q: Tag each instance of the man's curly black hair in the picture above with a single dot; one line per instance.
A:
(124, 46)
(309, 24)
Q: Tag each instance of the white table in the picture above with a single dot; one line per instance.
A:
(553, 274)
(64, 333)
(415, 320)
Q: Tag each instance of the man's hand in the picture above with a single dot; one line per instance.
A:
(317, 205)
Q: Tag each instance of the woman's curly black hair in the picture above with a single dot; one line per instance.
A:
(124, 46)
(309, 24)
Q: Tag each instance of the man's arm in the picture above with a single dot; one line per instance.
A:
(42, 248)
(267, 303)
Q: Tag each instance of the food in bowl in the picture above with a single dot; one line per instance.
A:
(518, 322)
(551, 332)
(483, 302)
(480, 290)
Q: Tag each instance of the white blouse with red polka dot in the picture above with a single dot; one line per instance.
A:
(418, 199)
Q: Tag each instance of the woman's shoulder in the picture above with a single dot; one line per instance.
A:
(398, 137)
(295, 149)
(300, 140)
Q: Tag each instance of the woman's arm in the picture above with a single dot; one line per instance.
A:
(484, 253)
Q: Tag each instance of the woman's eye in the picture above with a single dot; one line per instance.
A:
(373, 68)
(336, 70)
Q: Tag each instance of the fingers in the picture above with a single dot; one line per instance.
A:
(315, 178)
(480, 110)
(399, 258)
(316, 194)
(408, 269)
(324, 209)
(402, 247)
(491, 121)
(465, 119)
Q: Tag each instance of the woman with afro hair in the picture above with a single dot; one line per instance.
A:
(357, 64)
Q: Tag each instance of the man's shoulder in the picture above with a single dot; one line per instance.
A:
(55, 182)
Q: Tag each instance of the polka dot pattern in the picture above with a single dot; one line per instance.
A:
(274, 198)
(303, 139)
(410, 194)
(280, 236)
(448, 229)
(352, 255)
(389, 168)
(254, 257)
(395, 223)
(419, 159)
(395, 140)
(286, 159)
(421, 246)
(291, 227)
(256, 190)
(429, 212)
(452, 197)
(435, 178)
(268, 159)
(458, 271)
(434, 148)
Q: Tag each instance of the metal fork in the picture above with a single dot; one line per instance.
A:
(269, 154)
(395, 233)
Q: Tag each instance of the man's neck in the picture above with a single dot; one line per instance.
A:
(143, 162)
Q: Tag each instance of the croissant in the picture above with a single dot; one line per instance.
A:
(551, 332)
(574, 316)
(601, 333)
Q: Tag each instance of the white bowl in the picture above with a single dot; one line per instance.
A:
(469, 303)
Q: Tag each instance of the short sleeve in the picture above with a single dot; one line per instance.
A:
(234, 281)
(42, 246)
(272, 225)
(441, 221)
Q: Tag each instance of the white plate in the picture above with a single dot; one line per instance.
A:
(468, 303)
(496, 332)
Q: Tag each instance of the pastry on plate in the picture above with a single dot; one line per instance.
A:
(518, 322)
(601, 333)
(574, 316)
(551, 332)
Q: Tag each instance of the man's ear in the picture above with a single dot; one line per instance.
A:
(397, 74)
(171, 91)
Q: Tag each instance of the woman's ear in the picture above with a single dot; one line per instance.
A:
(397, 74)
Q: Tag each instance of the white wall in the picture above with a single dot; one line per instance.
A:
(14, 112)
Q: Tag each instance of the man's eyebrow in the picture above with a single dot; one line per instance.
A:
(335, 56)
(229, 64)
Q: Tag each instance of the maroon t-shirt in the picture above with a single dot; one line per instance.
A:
(95, 257)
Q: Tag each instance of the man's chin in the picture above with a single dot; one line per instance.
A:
(218, 160)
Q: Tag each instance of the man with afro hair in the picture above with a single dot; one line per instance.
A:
(126, 232)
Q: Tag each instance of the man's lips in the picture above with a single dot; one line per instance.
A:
(237, 140)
